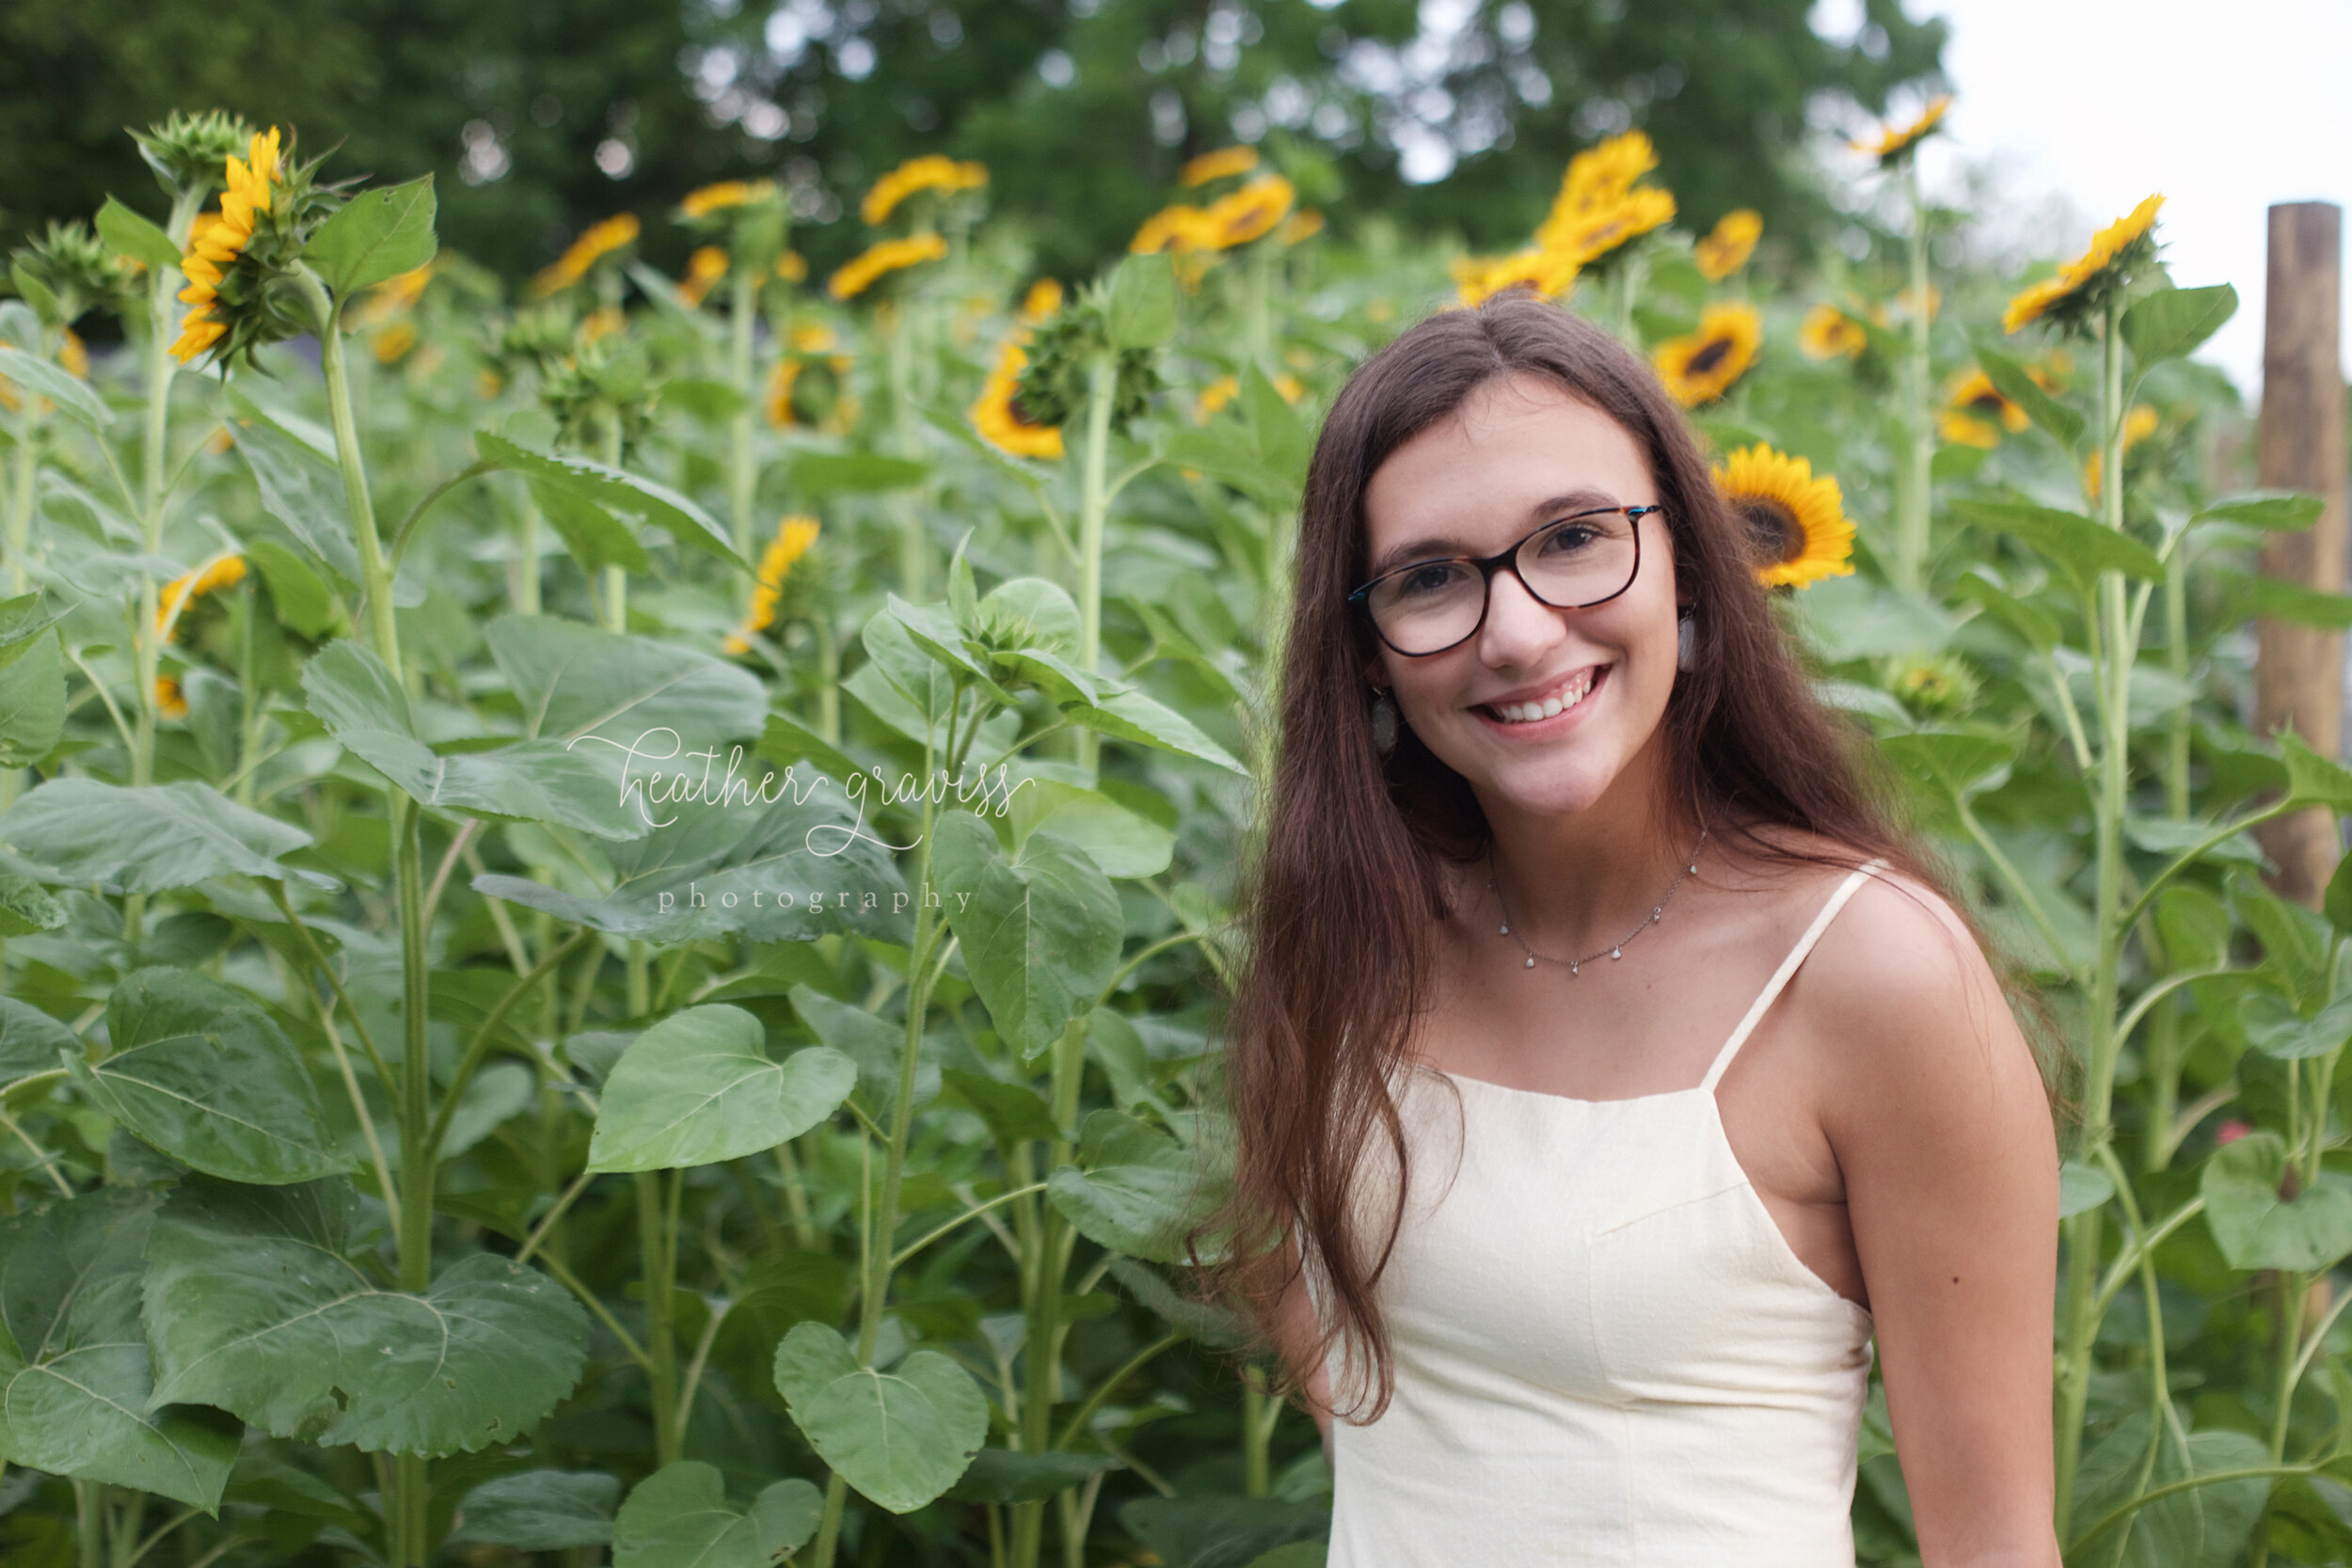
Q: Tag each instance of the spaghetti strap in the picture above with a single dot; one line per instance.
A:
(1787, 967)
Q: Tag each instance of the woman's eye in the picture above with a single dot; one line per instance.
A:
(1421, 582)
(1568, 540)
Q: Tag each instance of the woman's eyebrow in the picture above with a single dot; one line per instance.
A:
(1439, 547)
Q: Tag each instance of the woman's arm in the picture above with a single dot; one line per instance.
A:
(1295, 1334)
(1938, 1116)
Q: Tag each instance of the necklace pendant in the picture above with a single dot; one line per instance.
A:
(1504, 932)
(1616, 951)
(1572, 969)
(1531, 963)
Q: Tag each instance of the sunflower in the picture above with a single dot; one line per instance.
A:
(1587, 239)
(703, 271)
(1727, 249)
(792, 267)
(597, 242)
(1304, 224)
(171, 701)
(822, 400)
(1795, 520)
(1932, 686)
(2141, 423)
(794, 535)
(1001, 417)
(2084, 284)
(1179, 228)
(930, 172)
(1225, 389)
(1829, 332)
(217, 239)
(1599, 206)
(1216, 166)
(1893, 141)
(1549, 272)
(726, 193)
(859, 273)
(1244, 214)
(1701, 367)
(390, 345)
(1042, 300)
(222, 571)
(73, 354)
(1976, 413)
(394, 295)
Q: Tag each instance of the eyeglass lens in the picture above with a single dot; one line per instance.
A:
(1579, 560)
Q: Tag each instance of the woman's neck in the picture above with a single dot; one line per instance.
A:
(1576, 881)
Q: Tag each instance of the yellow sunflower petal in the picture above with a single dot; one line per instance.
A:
(1796, 518)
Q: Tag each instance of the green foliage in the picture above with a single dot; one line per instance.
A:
(900, 1437)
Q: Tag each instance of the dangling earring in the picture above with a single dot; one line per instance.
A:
(1686, 642)
(1384, 722)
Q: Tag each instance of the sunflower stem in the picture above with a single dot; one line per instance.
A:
(1102, 390)
(742, 313)
(1916, 494)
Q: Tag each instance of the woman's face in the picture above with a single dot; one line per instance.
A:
(1542, 710)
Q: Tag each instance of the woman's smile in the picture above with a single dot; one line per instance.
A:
(1528, 712)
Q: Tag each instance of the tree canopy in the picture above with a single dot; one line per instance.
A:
(541, 117)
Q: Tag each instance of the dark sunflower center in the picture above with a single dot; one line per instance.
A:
(1711, 354)
(1021, 415)
(1778, 534)
(1986, 403)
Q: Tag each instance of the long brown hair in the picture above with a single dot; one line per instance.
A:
(1349, 880)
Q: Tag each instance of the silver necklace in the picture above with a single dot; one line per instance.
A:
(1617, 948)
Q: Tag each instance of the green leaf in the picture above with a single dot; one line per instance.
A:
(1041, 612)
(595, 536)
(304, 601)
(202, 1073)
(2079, 548)
(53, 381)
(2203, 1527)
(900, 1437)
(678, 1517)
(74, 1387)
(300, 487)
(2193, 926)
(363, 706)
(252, 1305)
(2010, 380)
(1140, 310)
(2035, 625)
(35, 292)
(149, 839)
(575, 680)
(2311, 779)
(1115, 838)
(376, 235)
(30, 1040)
(2282, 510)
(1214, 1326)
(700, 397)
(1961, 761)
(1214, 452)
(2251, 596)
(700, 1088)
(2082, 1188)
(1132, 716)
(2172, 323)
(2172, 836)
(875, 1044)
(25, 906)
(32, 703)
(615, 488)
(1283, 441)
(1221, 1531)
(538, 1511)
(2274, 1027)
(1133, 1189)
(1014, 1111)
(1040, 932)
(2255, 1226)
(129, 234)
(814, 475)
(2337, 906)
(1008, 1476)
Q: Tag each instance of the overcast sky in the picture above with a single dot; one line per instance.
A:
(2224, 107)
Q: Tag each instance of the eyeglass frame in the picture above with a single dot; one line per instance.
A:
(1488, 566)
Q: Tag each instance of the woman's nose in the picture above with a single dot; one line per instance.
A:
(1518, 625)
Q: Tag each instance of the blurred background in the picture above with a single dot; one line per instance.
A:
(1442, 117)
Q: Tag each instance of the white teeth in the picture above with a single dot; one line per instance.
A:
(1527, 713)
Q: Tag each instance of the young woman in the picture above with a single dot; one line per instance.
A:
(1610, 1074)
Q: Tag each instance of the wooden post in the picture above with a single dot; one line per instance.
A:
(2298, 675)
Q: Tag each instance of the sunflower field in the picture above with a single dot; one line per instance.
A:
(615, 901)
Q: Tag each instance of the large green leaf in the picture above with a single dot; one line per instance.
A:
(2077, 545)
(376, 235)
(1140, 308)
(671, 703)
(1133, 1188)
(2259, 1228)
(791, 871)
(1006, 1476)
(2011, 380)
(2203, 1526)
(253, 1305)
(900, 1437)
(1121, 842)
(1961, 761)
(300, 487)
(1147, 721)
(818, 474)
(1220, 1531)
(25, 906)
(2172, 323)
(700, 1088)
(52, 382)
(679, 1517)
(2249, 595)
(2274, 1027)
(32, 703)
(616, 489)
(362, 706)
(595, 536)
(138, 238)
(875, 1044)
(73, 1372)
(202, 1073)
(1041, 930)
(149, 839)
(2311, 779)
(30, 1040)
(538, 1511)
(2271, 509)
